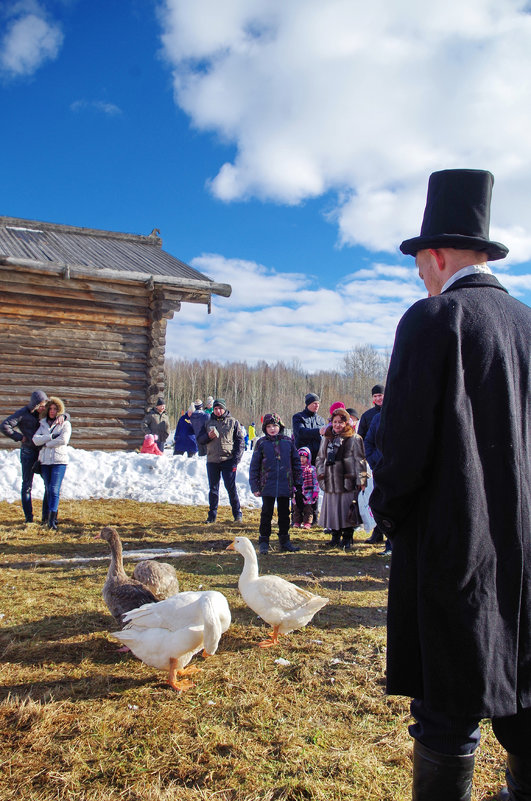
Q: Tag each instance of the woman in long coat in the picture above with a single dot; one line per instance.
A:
(341, 473)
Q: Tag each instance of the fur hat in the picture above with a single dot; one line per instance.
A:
(457, 214)
(311, 397)
(275, 419)
(37, 397)
(53, 400)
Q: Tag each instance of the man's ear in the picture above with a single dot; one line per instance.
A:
(438, 255)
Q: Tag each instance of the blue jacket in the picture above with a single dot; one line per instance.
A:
(275, 467)
(184, 441)
(372, 454)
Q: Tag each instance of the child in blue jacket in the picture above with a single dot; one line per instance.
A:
(275, 470)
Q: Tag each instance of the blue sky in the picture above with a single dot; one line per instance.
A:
(280, 147)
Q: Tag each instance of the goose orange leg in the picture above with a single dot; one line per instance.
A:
(184, 684)
(273, 639)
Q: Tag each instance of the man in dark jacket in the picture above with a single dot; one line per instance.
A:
(453, 491)
(26, 420)
(367, 417)
(157, 422)
(223, 437)
(199, 419)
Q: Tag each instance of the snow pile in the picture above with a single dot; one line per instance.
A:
(135, 476)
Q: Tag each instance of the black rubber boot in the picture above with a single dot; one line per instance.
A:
(347, 538)
(52, 520)
(335, 542)
(376, 536)
(518, 776)
(441, 777)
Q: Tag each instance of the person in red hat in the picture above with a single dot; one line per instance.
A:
(453, 493)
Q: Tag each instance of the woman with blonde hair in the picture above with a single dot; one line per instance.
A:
(52, 438)
(341, 473)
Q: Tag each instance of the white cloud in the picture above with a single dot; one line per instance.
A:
(362, 99)
(96, 105)
(278, 317)
(29, 41)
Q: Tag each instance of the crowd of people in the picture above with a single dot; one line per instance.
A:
(449, 449)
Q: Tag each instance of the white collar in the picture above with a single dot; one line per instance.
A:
(472, 269)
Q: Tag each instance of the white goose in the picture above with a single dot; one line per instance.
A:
(280, 603)
(167, 634)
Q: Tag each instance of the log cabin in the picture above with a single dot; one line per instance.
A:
(83, 316)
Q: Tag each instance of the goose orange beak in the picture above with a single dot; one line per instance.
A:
(230, 547)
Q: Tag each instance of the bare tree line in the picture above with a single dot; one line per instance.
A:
(251, 391)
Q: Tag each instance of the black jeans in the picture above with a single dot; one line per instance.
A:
(459, 736)
(216, 470)
(28, 457)
(268, 505)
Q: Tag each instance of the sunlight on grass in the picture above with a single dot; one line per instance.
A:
(80, 721)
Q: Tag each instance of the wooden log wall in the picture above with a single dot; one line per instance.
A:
(98, 345)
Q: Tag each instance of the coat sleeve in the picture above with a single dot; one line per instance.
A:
(42, 435)
(296, 466)
(254, 469)
(64, 433)
(407, 436)
(320, 460)
(239, 443)
(10, 423)
(371, 451)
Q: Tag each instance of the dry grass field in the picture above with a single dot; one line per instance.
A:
(80, 721)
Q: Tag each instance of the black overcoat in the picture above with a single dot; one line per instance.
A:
(453, 490)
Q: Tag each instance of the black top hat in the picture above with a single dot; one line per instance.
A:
(457, 214)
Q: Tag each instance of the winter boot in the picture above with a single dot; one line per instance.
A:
(346, 539)
(52, 520)
(376, 536)
(287, 545)
(335, 542)
(263, 546)
(441, 777)
(518, 776)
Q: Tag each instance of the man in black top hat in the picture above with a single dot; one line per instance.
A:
(453, 492)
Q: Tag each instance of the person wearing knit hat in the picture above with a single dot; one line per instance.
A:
(150, 446)
(198, 419)
(184, 440)
(377, 393)
(223, 437)
(275, 473)
(336, 405)
(20, 427)
(157, 422)
(209, 403)
(307, 427)
(452, 491)
(302, 507)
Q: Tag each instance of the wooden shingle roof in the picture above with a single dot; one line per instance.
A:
(31, 243)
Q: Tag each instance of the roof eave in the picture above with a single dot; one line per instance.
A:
(105, 274)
